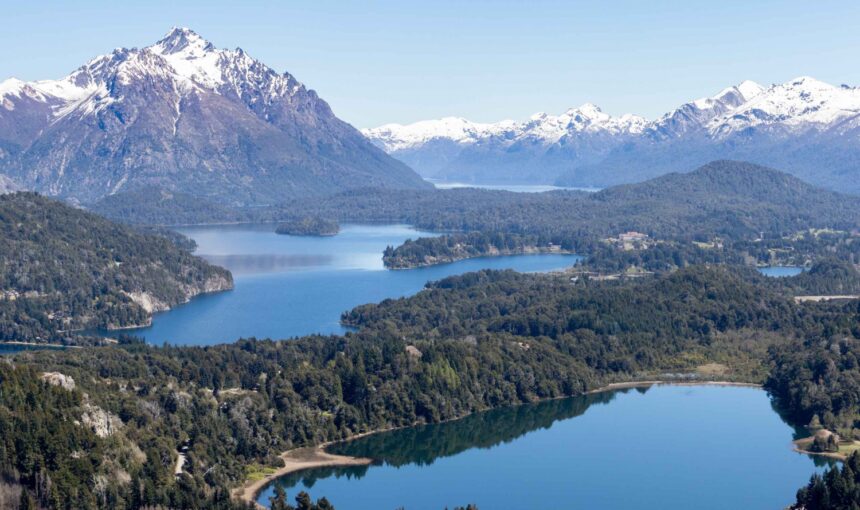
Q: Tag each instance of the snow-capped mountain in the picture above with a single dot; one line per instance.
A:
(804, 126)
(183, 115)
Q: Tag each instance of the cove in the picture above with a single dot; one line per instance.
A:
(663, 447)
(288, 286)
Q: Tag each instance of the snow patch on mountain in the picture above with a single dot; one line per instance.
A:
(799, 104)
(184, 115)
(546, 128)
(805, 126)
(182, 57)
(395, 137)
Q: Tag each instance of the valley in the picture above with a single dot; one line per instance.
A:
(217, 293)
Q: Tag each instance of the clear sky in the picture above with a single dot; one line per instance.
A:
(400, 61)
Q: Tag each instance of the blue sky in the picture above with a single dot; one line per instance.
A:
(386, 61)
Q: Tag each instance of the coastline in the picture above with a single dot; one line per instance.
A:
(298, 459)
(310, 457)
(536, 250)
(664, 382)
(802, 446)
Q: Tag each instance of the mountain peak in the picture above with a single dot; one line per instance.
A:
(231, 125)
(749, 89)
(11, 86)
(588, 110)
(182, 40)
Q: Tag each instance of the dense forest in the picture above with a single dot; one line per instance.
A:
(65, 269)
(427, 251)
(725, 211)
(465, 344)
(724, 198)
(308, 226)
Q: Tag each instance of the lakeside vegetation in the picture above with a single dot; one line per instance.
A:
(723, 212)
(465, 344)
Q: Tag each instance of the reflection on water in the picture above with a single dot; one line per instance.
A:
(423, 445)
(287, 286)
(15, 348)
(668, 447)
(269, 262)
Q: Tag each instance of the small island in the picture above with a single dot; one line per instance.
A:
(308, 226)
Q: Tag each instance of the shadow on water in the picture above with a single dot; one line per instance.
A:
(422, 445)
(799, 431)
(7, 349)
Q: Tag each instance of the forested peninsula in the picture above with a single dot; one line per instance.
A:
(475, 342)
(65, 270)
(103, 427)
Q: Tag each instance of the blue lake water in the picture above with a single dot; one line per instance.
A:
(287, 286)
(670, 447)
(516, 188)
(780, 271)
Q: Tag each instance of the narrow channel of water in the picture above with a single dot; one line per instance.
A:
(287, 286)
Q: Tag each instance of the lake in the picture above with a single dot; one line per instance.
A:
(780, 271)
(667, 447)
(516, 188)
(287, 286)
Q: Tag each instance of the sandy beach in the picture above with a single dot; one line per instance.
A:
(297, 460)
(315, 456)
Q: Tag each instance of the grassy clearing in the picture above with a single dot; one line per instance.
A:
(256, 472)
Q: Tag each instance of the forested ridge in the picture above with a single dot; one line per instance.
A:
(745, 213)
(465, 344)
(476, 341)
(723, 198)
(65, 269)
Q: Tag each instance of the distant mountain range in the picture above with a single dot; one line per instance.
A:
(806, 127)
(186, 117)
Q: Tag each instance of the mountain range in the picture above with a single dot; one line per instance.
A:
(187, 117)
(804, 126)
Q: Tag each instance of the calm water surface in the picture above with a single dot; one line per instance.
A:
(288, 286)
(670, 447)
(780, 271)
(516, 188)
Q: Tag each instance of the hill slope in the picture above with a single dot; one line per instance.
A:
(66, 269)
(188, 117)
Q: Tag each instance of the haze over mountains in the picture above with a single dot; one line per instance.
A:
(187, 117)
(181, 116)
(804, 126)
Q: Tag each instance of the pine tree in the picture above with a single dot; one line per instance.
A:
(27, 502)
(303, 501)
(279, 500)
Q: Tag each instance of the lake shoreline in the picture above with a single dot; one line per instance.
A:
(310, 457)
(300, 459)
(38, 344)
(441, 261)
